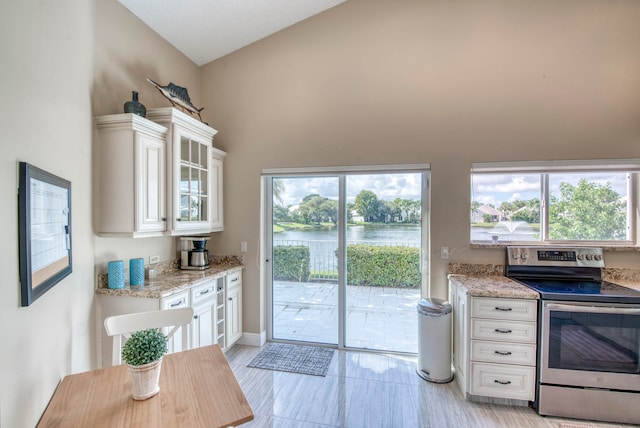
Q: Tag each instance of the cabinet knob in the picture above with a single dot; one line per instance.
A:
(195, 317)
(163, 219)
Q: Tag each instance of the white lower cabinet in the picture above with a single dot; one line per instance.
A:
(458, 299)
(234, 308)
(494, 345)
(217, 305)
(503, 381)
(180, 340)
(203, 327)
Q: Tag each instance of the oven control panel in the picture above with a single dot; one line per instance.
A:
(555, 256)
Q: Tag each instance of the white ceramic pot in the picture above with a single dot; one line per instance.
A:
(145, 379)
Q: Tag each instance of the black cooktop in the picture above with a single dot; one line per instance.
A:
(582, 291)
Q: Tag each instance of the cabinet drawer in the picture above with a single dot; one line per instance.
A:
(503, 381)
(503, 352)
(234, 279)
(203, 293)
(179, 300)
(505, 309)
(503, 331)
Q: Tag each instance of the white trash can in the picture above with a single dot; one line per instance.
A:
(434, 340)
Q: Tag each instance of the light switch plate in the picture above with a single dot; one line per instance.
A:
(444, 253)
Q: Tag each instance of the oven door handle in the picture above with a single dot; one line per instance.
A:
(592, 309)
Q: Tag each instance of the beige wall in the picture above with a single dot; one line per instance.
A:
(127, 52)
(63, 63)
(45, 118)
(450, 83)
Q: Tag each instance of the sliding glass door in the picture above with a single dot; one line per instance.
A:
(344, 261)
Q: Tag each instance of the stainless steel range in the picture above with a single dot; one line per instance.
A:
(588, 334)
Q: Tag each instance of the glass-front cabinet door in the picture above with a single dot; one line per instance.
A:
(194, 181)
(193, 199)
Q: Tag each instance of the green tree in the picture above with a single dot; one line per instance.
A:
(280, 213)
(522, 210)
(366, 202)
(588, 211)
(315, 209)
(278, 190)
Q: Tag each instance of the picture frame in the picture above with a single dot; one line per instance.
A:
(44, 226)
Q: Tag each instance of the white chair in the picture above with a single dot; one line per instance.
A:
(120, 327)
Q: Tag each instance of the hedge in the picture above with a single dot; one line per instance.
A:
(383, 266)
(291, 263)
(373, 265)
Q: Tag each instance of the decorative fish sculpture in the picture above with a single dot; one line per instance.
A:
(177, 96)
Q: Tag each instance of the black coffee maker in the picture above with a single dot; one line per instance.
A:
(193, 254)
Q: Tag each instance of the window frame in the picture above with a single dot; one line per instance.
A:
(547, 168)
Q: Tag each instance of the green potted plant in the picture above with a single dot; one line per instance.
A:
(143, 354)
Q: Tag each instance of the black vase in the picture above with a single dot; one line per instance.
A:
(134, 106)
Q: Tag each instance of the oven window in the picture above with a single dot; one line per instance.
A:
(594, 342)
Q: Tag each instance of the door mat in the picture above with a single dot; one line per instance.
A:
(282, 357)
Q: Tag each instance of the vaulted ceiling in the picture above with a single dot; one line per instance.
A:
(205, 30)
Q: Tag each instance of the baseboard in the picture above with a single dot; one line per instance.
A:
(253, 339)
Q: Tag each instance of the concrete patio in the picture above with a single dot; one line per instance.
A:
(379, 318)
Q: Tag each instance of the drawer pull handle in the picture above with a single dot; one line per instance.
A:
(502, 352)
(498, 308)
(503, 382)
(234, 279)
(502, 330)
(205, 291)
(173, 305)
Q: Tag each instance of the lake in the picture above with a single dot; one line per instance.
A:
(323, 242)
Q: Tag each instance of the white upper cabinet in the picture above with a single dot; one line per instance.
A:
(217, 162)
(191, 185)
(130, 173)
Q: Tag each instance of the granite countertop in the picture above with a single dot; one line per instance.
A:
(484, 280)
(493, 286)
(172, 280)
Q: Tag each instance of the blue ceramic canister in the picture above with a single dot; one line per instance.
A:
(116, 274)
(136, 272)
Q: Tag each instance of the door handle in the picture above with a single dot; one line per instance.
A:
(592, 309)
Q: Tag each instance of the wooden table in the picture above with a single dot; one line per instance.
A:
(197, 389)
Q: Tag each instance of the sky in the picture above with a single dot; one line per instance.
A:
(493, 189)
(488, 189)
(385, 186)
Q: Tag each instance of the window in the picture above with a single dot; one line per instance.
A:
(557, 202)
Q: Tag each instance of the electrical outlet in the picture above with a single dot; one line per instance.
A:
(444, 253)
(243, 247)
(154, 259)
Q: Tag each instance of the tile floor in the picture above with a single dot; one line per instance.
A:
(369, 390)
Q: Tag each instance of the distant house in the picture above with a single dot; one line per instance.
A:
(356, 217)
(478, 216)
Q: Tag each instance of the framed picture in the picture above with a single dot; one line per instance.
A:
(44, 224)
